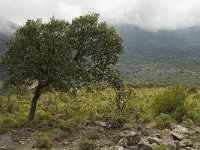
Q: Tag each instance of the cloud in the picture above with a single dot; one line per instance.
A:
(148, 14)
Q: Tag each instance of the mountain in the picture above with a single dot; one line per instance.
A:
(7, 29)
(162, 57)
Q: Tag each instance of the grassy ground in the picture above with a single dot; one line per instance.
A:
(69, 111)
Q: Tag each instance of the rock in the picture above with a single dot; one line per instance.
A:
(179, 133)
(144, 146)
(116, 148)
(102, 124)
(123, 142)
(145, 132)
(157, 135)
(3, 148)
(29, 130)
(185, 143)
(177, 136)
(155, 140)
(180, 129)
(169, 143)
(133, 138)
(197, 129)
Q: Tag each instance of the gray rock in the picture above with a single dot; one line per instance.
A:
(3, 148)
(180, 129)
(169, 143)
(102, 124)
(133, 138)
(177, 136)
(144, 146)
(185, 143)
(158, 135)
(155, 140)
(123, 142)
(116, 148)
(180, 133)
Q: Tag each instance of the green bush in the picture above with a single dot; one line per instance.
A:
(160, 147)
(163, 121)
(187, 123)
(171, 102)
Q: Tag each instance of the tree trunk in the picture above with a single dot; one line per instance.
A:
(34, 103)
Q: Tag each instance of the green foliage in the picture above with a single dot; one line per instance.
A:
(87, 145)
(187, 123)
(160, 147)
(62, 54)
(163, 121)
(171, 102)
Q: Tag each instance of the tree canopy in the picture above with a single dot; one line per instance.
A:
(62, 55)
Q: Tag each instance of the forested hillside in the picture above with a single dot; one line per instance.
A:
(162, 57)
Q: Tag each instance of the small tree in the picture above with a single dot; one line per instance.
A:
(62, 55)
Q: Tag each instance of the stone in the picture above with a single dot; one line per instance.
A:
(143, 146)
(177, 136)
(123, 142)
(169, 143)
(180, 133)
(102, 124)
(180, 129)
(29, 130)
(116, 148)
(157, 135)
(3, 148)
(185, 143)
(145, 132)
(155, 140)
(133, 138)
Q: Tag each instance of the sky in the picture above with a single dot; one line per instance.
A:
(148, 14)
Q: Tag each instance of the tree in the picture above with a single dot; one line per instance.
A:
(62, 55)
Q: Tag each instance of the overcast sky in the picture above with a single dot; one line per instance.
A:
(149, 14)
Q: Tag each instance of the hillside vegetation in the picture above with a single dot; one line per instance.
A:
(162, 57)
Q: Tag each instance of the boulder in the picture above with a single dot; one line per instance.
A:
(133, 138)
(143, 146)
(177, 136)
(123, 142)
(116, 148)
(169, 143)
(185, 143)
(155, 140)
(180, 133)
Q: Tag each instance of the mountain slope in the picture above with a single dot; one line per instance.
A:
(164, 57)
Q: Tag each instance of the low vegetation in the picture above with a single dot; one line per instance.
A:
(69, 111)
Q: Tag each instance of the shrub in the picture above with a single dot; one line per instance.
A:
(93, 135)
(163, 121)
(44, 141)
(187, 123)
(161, 147)
(171, 102)
(87, 145)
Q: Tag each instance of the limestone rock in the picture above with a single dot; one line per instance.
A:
(123, 142)
(155, 140)
(144, 146)
(133, 138)
(185, 143)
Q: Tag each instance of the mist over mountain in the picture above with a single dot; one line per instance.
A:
(164, 57)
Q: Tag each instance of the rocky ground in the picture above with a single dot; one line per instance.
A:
(101, 136)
